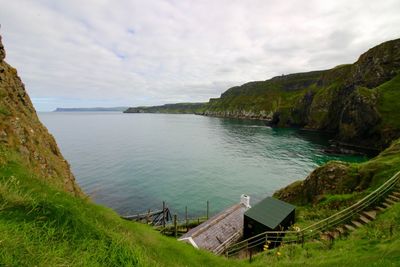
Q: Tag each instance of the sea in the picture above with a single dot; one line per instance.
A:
(133, 162)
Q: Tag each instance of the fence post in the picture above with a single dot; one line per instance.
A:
(208, 208)
(163, 210)
(175, 225)
(148, 216)
(186, 218)
(250, 255)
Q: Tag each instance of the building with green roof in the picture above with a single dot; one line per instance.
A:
(270, 214)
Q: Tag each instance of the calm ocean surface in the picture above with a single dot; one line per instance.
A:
(132, 162)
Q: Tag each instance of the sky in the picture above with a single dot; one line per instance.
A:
(132, 53)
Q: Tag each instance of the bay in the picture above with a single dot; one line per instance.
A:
(133, 162)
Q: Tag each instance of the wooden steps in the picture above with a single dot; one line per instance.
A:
(364, 219)
(370, 214)
(349, 227)
(390, 201)
(394, 198)
(357, 224)
(386, 205)
(380, 208)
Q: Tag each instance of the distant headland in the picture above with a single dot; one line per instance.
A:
(96, 109)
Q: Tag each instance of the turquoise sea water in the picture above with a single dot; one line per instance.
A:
(133, 162)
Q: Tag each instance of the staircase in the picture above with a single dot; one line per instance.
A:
(364, 217)
(337, 225)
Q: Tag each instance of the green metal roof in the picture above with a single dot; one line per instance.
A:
(270, 212)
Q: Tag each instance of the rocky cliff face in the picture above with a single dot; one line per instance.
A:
(21, 131)
(332, 178)
(343, 100)
(335, 178)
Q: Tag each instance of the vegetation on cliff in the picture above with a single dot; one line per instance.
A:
(21, 131)
(179, 108)
(41, 225)
(338, 178)
(354, 101)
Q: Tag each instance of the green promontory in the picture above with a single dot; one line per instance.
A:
(339, 178)
(356, 102)
(178, 108)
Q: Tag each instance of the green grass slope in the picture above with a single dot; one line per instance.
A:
(42, 226)
(178, 108)
(339, 179)
(375, 244)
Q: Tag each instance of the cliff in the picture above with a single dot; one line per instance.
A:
(22, 132)
(354, 101)
(178, 108)
(338, 178)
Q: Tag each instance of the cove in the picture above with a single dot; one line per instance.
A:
(133, 162)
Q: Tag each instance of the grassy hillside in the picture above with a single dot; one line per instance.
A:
(354, 101)
(43, 226)
(335, 179)
(179, 108)
(376, 244)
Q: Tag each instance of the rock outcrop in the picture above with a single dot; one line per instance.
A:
(2, 51)
(22, 132)
(332, 178)
(344, 100)
(336, 178)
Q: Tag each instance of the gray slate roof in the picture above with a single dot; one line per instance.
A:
(270, 212)
(220, 230)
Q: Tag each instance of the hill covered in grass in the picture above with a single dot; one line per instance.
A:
(178, 108)
(41, 225)
(46, 220)
(356, 102)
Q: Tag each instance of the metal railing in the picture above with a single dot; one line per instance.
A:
(316, 229)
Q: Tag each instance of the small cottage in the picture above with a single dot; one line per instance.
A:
(221, 230)
(270, 214)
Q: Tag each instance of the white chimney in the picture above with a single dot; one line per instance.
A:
(245, 200)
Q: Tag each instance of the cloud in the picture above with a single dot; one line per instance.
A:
(153, 52)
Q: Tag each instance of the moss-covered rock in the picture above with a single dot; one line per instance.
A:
(333, 178)
(21, 131)
(360, 117)
(2, 51)
(336, 178)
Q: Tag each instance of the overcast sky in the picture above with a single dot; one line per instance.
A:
(114, 53)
